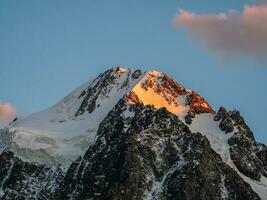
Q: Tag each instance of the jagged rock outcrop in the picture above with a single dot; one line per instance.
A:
(101, 86)
(248, 155)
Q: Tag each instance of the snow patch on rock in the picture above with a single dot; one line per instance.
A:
(204, 124)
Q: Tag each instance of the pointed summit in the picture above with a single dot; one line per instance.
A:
(151, 87)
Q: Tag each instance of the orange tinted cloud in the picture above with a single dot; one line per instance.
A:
(7, 112)
(232, 32)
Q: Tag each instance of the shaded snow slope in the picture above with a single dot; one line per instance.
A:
(260, 187)
(204, 124)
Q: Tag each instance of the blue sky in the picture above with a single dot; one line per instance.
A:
(48, 48)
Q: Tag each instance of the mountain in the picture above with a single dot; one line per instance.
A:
(132, 134)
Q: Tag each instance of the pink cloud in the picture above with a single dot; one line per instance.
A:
(7, 113)
(260, 2)
(229, 33)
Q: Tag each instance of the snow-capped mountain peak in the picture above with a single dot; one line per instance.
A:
(132, 129)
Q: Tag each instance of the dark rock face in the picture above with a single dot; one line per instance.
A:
(21, 180)
(100, 87)
(226, 122)
(248, 155)
(244, 153)
(133, 155)
(89, 96)
(205, 176)
(140, 153)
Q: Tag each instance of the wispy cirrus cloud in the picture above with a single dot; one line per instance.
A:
(7, 113)
(231, 33)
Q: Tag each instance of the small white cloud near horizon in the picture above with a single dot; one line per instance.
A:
(7, 113)
(230, 33)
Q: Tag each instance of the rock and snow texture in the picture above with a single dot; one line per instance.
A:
(151, 155)
(231, 138)
(205, 124)
(65, 131)
(132, 134)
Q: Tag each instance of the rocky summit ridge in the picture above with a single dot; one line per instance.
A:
(132, 134)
